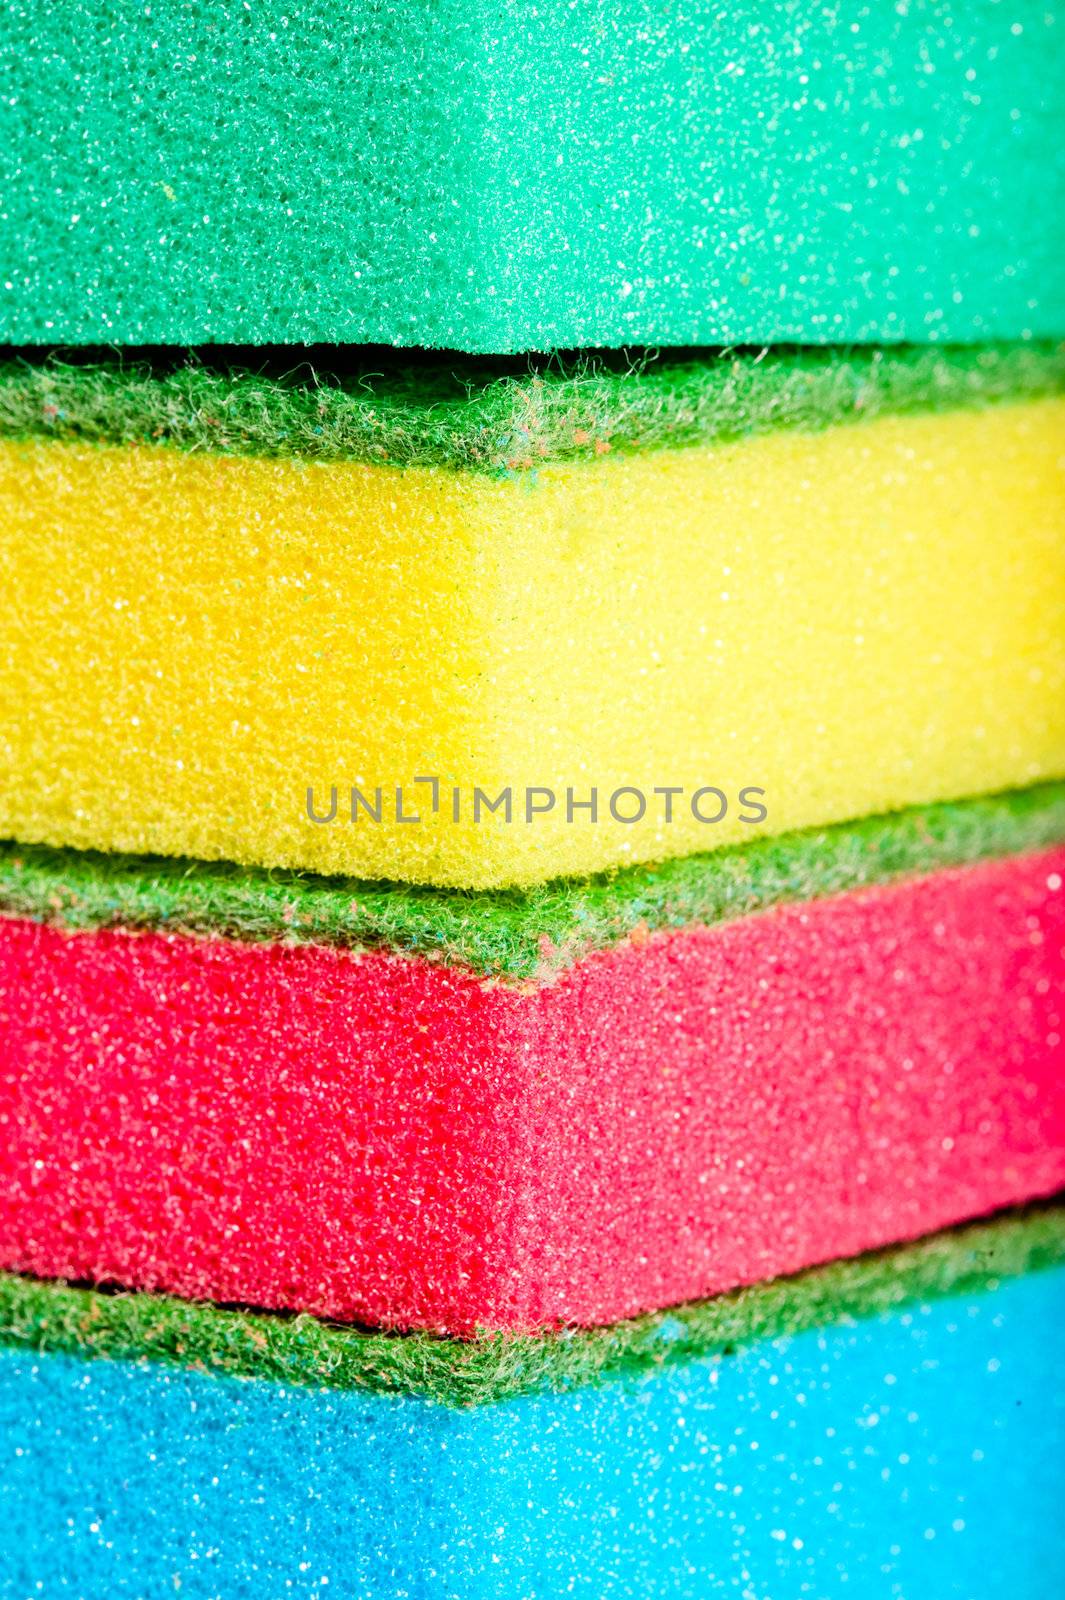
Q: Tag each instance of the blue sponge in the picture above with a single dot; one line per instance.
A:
(915, 1456)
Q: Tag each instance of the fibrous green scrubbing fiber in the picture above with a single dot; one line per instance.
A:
(457, 414)
(55, 1317)
(520, 933)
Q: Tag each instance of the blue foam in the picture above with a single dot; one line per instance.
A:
(916, 1457)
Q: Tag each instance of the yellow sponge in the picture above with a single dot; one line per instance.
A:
(850, 621)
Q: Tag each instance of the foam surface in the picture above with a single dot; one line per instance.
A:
(917, 1454)
(396, 1141)
(332, 405)
(504, 177)
(851, 621)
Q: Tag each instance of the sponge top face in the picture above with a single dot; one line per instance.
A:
(495, 176)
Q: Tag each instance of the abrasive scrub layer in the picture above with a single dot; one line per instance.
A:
(520, 933)
(406, 409)
(500, 177)
(388, 1139)
(324, 664)
(914, 1448)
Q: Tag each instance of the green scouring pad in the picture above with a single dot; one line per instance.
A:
(519, 933)
(505, 417)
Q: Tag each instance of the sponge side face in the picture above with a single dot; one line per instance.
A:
(850, 622)
(945, 1422)
(494, 178)
(686, 1113)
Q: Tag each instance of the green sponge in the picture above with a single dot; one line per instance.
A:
(490, 175)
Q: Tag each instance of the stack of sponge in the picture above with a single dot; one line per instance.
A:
(532, 902)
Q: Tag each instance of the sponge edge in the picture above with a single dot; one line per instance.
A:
(195, 644)
(520, 934)
(57, 1318)
(511, 417)
(945, 1424)
(571, 175)
(419, 1148)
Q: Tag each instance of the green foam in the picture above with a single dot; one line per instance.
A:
(492, 176)
(520, 934)
(455, 414)
(55, 1317)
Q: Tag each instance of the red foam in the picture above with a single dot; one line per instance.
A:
(392, 1141)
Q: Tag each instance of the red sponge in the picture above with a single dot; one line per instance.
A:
(392, 1140)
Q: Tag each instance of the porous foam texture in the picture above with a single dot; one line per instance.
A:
(519, 933)
(500, 177)
(202, 651)
(510, 417)
(59, 1318)
(917, 1453)
(393, 1140)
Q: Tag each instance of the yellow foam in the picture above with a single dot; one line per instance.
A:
(860, 619)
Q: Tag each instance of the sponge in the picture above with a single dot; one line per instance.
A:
(499, 177)
(386, 1138)
(285, 661)
(915, 1450)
